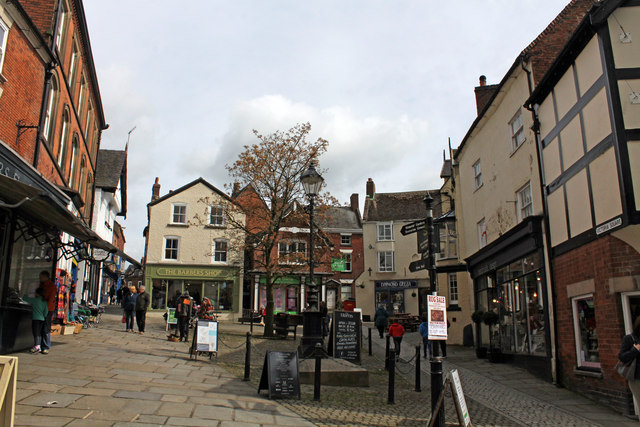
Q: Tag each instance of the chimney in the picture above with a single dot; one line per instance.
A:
(371, 188)
(355, 203)
(484, 93)
(155, 191)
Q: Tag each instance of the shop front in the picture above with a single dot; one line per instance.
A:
(221, 285)
(509, 280)
(289, 293)
(397, 296)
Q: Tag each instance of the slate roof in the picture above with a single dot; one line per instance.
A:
(186, 187)
(408, 205)
(109, 168)
(339, 217)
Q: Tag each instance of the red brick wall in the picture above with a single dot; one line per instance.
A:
(599, 260)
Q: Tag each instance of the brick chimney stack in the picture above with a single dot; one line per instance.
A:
(355, 202)
(155, 191)
(484, 92)
(371, 188)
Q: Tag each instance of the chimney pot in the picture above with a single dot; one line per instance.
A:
(155, 190)
(483, 80)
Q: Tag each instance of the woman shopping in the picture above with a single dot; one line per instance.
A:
(629, 351)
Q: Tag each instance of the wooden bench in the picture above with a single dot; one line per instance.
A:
(284, 331)
(283, 324)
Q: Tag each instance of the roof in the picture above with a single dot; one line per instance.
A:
(446, 169)
(186, 187)
(408, 205)
(541, 52)
(339, 217)
(109, 168)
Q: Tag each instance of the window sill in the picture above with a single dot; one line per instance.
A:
(478, 187)
(178, 225)
(378, 241)
(594, 373)
(3, 79)
(215, 226)
(454, 307)
(516, 150)
(169, 260)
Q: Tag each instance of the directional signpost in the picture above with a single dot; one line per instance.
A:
(413, 227)
(419, 265)
(423, 241)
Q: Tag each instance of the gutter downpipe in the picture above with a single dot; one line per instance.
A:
(547, 241)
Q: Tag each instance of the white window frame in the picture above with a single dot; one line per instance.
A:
(482, 233)
(576, 333)
(284, 257)
(348, 236)
(477, 175)
(50, 113)
(347, 255)
(215, 251)
(164, 248)
(81, 96)
(386, 268)
(523, 206)
(173, 210)
(3, 43)
(518, 136)
(222, 224)
(451, 285)
(383, 238)
(448, 239)
(64, 135)
(62, 24)
(73, 66)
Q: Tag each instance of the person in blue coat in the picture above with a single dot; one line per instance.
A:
(424, 333)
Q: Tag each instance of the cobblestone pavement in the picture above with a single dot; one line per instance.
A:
(107, 377)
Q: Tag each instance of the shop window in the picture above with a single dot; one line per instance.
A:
(216, 216)
(174, 288)
(516, 129)
(194, 287)
(386, 261)
(482, 233)
(292, 299)
(385, 231)
(524, 202)
(220, 293)
(171, 248)
(453, 288)
(28, 259)
(584, 323)
(159, 294)
(345, 292)
(477, 175)
(220, 251)
(345, 240)
(179, 213)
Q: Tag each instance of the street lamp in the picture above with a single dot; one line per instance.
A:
(311, 318)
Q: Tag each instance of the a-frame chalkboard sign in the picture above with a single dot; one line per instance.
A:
(345, 335)
(280, 374)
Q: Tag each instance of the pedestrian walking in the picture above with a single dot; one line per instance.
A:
(112, 294)
(381, 318)
(38, 315)
(183, 314)
(50, 292)
(630, 350)
(119, 294)
(424, 333)
(396, 330)
(129, 306)
(142, 303)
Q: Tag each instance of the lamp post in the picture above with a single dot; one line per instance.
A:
(311, 318)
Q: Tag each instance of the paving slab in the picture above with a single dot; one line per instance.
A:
(32, 420)
(46, 399)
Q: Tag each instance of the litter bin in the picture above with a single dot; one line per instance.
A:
(349, 305)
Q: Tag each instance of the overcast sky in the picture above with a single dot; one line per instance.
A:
(385, 82)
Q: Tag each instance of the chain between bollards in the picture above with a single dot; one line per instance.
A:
(418, 371)
(386, 353)
(392, 376)
(370, 350)
(247, 359)
(317, 377)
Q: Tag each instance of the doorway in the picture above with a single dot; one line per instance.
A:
(630, 311)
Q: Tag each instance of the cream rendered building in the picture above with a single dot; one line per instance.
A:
(191, 245)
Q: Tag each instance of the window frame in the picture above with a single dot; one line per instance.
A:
(215, 251)
(284, 257)
(519, 205)
(477, 175)
(173, 210)
(393, 262)
(515, 144)
(347, 255)
(3, 43)
(482, 231)
(64, 135)
(448, 240)
(62, 28)
(578, 337)
(177, 249)
(222, 215)
(51, 112)
(73, 65)
(452, 300)
(348, 236)
(384, 224)
(73, 163)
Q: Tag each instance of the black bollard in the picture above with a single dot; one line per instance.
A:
(418, 372)
(247, 359)
(370, 351)
(386, 354)
(392, 377)
(436, 384)
(318, 372)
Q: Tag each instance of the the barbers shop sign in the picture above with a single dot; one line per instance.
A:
(396, 284)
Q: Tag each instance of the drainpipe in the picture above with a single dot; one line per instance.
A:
(547, 235)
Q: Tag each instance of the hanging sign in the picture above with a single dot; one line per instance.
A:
(437, 317)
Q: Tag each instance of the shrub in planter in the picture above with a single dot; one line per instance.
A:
(491, 318)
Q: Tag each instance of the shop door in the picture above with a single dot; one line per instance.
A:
(630, 311)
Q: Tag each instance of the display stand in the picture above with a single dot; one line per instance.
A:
(280, 374)
(205, 339)
(171, 318)
(453, 379)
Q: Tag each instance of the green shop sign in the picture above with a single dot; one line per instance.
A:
(171, 272)
(338, 264)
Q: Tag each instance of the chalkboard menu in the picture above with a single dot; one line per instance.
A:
(346, 335)
(280, 374)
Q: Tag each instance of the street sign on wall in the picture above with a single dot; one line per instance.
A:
(338, 264)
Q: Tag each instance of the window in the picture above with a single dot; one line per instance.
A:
(584, 323)
(385, 231)
(4, 30)
(216, 216)
(88, 199)
(448, 240)
(171, 248)
(386, 261)
(87, 128)
(477, 175)
(81, 182)
(292, 252)
(220, 250)
(73, 165)
(64, 135)
(62, 27)
(345, 239)
(73, 67)
(94, 142)
(516, 127)
(81, 97)
(179, 215)
(482, 233)
(453, 289)
(347, 260)
(524, 203)
(50, 114)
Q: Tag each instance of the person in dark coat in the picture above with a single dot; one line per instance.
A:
(629, 350)
(129, 306)
(142, 304)
(184, 308)
(381, 319)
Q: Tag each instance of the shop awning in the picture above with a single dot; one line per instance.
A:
(37, 206)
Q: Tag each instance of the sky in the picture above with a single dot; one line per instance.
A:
(385, 82)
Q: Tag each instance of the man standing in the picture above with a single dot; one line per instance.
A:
(183, 314)
(142, 303)
(49, 294)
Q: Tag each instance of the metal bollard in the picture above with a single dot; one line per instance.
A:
(386, 353)
(370, 350)
(418, 372)
(392, 377)
(436, 387)
(247, 359)
(317, 374)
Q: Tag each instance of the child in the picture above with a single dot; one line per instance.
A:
(40, 310)
(396, 331)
